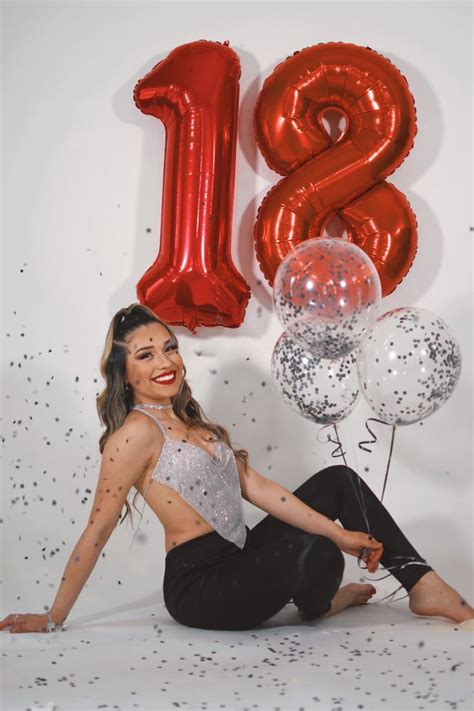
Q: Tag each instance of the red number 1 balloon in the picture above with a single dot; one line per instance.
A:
(195, 93)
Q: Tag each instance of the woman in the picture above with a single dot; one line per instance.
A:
(219, 574)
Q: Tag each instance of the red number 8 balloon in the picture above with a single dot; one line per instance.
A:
(345, 177)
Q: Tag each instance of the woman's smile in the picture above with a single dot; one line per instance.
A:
(166, 379)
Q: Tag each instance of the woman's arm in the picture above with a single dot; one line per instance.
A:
(281, 503)
(126, 455)
(80, 565)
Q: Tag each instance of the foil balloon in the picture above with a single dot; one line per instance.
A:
(321, 390)
(195, 93)
(345, 177)
(327, 295)
(408, 365)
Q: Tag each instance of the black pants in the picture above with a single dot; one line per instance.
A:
(211, 583)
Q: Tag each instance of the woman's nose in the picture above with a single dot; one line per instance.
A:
(166, 361)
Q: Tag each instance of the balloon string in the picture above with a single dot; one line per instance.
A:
(360, 500)
(339, 452)
(388, 463)
(372, 434)
(412, 561)
(372, 441)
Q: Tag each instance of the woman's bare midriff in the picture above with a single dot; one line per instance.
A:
(180, 521)
(170, 508)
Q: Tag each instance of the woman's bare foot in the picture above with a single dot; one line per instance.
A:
(348, 595)
(432, 596)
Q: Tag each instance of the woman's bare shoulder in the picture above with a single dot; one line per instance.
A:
(137, 431)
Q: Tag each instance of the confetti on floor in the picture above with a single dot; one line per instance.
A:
(368, 657)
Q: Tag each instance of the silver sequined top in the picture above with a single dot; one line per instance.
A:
(210, 486)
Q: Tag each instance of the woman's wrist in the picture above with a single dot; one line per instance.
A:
(336, 534)
(54, 617)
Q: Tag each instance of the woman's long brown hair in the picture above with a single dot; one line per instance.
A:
(115, 401)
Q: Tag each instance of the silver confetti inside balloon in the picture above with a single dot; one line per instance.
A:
(324, 391)
(408, 365)
(327, 295)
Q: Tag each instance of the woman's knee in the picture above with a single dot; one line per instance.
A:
(322, 554)
(336, 471)
(328, 551)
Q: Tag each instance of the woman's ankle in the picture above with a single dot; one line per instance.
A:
(423, 572)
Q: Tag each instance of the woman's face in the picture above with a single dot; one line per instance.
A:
(153, 366)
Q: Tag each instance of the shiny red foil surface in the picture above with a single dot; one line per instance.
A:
(195, 93)
(346, 177)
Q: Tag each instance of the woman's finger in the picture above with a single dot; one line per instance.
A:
(373, 556)
(22, 627)
(24, 623)
(16, 624)
(28, 626)
(372, 562)
(7, 621)
(375, 559)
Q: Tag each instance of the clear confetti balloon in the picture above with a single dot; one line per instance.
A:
(324, 391)
(327, 295)
(408, 365)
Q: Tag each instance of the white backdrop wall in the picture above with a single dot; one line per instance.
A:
(82, 180)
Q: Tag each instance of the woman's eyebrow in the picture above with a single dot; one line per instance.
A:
(170, 340)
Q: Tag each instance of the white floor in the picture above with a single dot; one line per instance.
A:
(368, 657)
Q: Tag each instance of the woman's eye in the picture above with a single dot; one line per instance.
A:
(149, 353)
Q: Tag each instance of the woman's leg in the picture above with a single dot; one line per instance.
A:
(211, 584)
(238, 589)
(331, 493)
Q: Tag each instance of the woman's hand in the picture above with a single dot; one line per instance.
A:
(360, 545)
(25, 623)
